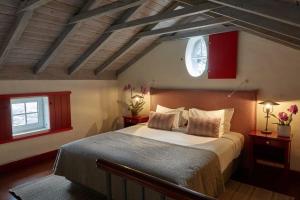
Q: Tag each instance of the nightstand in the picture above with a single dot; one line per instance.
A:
(269, 149)
(131, 121)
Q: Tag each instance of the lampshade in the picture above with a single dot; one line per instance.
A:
(268, 109)
(269, 102)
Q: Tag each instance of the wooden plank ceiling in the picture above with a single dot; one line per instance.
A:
(99, 39)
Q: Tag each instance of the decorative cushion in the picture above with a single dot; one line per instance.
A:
(225, 116)
(177, 111)
(208, 127)
(161, 121)
(184, 118)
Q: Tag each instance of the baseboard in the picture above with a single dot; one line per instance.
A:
(10, 167)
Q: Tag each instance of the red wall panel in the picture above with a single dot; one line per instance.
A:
(222, 62)
(60, 111)
(5, 119)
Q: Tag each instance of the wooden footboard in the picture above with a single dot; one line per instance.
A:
(165, 188)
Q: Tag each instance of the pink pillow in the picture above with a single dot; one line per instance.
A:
(208, 127)
(161, 120)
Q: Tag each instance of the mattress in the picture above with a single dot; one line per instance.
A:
(227, 148)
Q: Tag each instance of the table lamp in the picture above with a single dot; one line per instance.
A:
(268, 109)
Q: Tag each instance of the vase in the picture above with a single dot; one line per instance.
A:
(284, 131)
(134, 113)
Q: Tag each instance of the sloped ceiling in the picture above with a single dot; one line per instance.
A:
(76, 39)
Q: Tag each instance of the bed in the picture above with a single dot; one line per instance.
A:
(202, 164)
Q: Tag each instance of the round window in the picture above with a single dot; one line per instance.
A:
(196, 56)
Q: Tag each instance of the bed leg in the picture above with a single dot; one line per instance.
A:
(108, 186)
(125, 189)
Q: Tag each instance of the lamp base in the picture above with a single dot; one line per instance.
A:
(266, 132)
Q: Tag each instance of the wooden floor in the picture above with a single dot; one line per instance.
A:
(273, 179)
(264, 177)
(31, 173)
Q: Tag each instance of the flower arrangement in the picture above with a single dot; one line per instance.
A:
(285, 119)
(136, 102)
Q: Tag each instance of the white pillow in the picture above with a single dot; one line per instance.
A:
(228, 116)
(177, 111)
(225, 115)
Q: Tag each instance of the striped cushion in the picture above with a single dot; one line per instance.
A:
(161, 120)
(208, 127)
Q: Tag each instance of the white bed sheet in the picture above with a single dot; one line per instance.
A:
(227, 148)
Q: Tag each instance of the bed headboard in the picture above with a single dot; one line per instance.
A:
(243, 102)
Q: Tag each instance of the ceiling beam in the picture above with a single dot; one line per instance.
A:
(205, 7)
(33, 4)
(262, 32)
(186, 2)
(98, 43)
(262, 22)
(199, 32)
(138, 57)
(59, 42)
(129, 44)
(15, 32)
(108, 8)
(186, 27)
(277, 10)
(278, 38)
(190, 2)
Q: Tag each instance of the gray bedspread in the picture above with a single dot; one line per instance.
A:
(193, 168)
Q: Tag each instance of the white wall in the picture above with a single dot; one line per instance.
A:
(270, 67)
(93, 106)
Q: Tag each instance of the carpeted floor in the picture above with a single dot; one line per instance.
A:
(58, 188)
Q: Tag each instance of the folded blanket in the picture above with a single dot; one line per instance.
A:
(194, 168)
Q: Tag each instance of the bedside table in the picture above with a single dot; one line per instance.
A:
(131, 121)
(269, 149)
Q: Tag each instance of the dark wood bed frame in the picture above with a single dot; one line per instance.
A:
(165, 188)
(243, 121)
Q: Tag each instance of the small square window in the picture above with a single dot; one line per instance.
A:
(29, 115)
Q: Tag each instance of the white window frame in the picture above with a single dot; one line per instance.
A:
(196, 69)
(42, 111)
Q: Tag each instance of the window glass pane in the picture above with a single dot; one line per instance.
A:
(29, 115)
(32, 118)
(196, 56)
(31, 107)
(18, 108)
(19, 120)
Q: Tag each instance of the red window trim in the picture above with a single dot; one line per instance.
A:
(41, 133)
(29, 136)
(33, 94)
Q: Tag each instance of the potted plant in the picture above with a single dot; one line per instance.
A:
(285, 120)
(136, 101)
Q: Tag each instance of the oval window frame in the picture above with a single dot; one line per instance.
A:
(195, 71)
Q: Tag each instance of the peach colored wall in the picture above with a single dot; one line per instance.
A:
(93, 107)
(272, 68)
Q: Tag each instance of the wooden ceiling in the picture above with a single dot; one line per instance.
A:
(99, 39)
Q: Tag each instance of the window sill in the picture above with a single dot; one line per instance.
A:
(34, 135)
